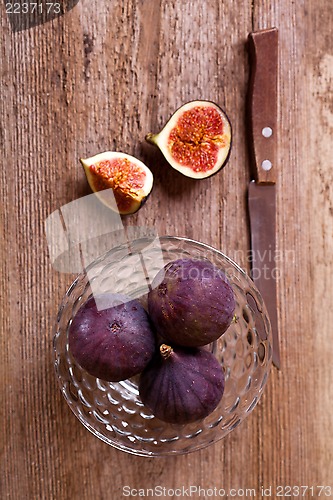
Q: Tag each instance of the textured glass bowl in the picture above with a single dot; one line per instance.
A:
(113, 411)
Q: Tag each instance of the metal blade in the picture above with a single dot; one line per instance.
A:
(261, 200)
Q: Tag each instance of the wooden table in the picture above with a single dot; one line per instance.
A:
(99, 78)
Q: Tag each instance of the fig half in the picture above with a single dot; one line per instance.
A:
(130, 180)
(182, 385)
(196, 140)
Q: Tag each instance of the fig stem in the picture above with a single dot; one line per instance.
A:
(165, 351)
(151, 138)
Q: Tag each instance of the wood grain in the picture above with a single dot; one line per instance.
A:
(100, 78)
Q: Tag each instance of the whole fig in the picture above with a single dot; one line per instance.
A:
(112, 343)
(182, 385)
(191, 302)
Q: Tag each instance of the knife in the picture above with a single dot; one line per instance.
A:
(262, 127)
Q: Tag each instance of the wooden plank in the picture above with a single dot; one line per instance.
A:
(292, 420)
(100, 78)
(319, 98)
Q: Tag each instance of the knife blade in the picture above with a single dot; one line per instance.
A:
(262, 128)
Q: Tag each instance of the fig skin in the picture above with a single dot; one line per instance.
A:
(115, 343)
(197, 139)
(182, 385)
(130, 180)
(191, 302)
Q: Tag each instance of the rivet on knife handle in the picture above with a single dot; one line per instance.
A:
(262, 104)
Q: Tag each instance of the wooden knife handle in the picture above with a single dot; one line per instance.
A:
(262, 104)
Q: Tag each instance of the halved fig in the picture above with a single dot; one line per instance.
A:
(130, 180)
(196, 140)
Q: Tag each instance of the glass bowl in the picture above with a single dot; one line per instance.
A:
(113, 411)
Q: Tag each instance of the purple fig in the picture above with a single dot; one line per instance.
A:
(191, 302)
(182, 385)
(113, 341)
